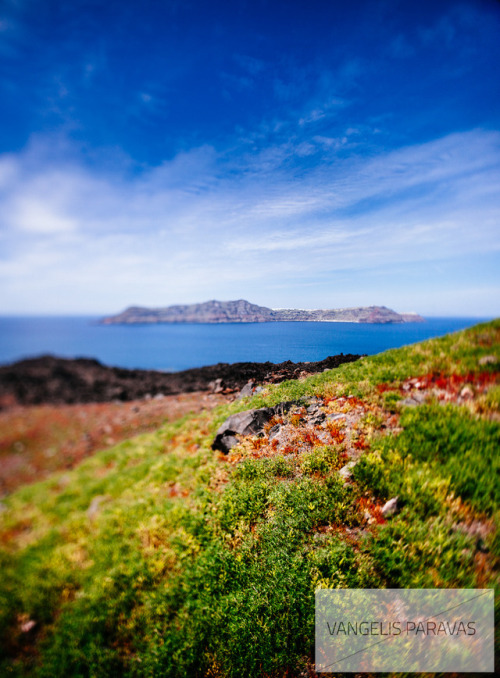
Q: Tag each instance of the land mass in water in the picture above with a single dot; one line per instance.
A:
(242, 311)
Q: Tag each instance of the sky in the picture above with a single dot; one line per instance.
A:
(298, 154)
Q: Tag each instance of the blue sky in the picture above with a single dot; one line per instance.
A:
(296, 154)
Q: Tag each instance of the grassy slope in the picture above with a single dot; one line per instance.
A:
(193, 565)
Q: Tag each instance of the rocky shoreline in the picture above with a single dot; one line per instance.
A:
(48, 379)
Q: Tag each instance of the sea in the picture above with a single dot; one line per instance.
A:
(172, 348)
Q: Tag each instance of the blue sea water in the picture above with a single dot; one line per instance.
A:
(178, 347)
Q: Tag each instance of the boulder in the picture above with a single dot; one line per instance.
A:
(391, 507)
(247, 390)
(346, 471)
(249, 422)
(225, 442)
(217, 386)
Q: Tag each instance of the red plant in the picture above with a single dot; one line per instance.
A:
(337, 435)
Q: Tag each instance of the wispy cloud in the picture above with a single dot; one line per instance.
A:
(206, 225)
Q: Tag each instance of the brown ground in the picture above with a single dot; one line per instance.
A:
(38, 440)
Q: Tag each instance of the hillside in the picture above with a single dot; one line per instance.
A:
(164, 557)
(242, 311)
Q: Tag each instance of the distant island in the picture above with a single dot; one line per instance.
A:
(242, 311)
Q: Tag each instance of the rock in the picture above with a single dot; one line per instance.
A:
(95, 504)
(216, 386)
(467, 392)
(247, 390)
(488, 360)
(225, 442)
(245, 423)
(314, 414)
(317, 418)
(335, 417)
(248, 422)
(313, 406)
(27, 626)
(413, 401)
(391, 507)
(346, 471)
(274, 432)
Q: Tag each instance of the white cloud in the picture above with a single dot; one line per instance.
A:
(202, 225)
(36, 216)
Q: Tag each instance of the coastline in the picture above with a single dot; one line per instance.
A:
(54, 380)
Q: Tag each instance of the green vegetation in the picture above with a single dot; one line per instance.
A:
(159, 557)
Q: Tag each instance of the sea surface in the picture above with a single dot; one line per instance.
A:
(178, 347)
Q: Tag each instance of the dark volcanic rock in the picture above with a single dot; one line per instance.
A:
(246, 423)
(57, 380)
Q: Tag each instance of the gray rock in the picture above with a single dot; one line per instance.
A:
(216, 386)
(391, 507)
(225, 442)
(346, 471)
(335, 417)
(317, 418)
(314, 406)
(249, 422)
(247, 390)
(95, 505)
(488, 360)
(274, 432)
(413, 401)
(245, 423)
(284, 407)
